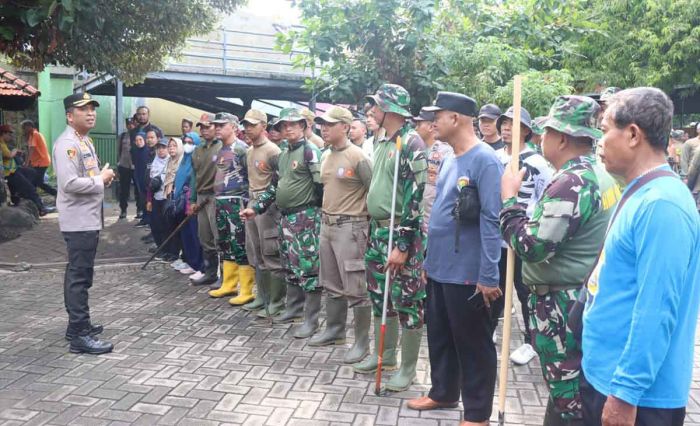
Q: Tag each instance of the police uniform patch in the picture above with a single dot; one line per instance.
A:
(341, 172)
(213, 158)
(462, 181)
(72, 153)
(349, 173)
(294, 164)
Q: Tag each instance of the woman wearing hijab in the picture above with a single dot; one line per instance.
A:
(191, 249)
(156, 198)
(139, 154)
(170, 215)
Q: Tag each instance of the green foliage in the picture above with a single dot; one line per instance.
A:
(358, 45)
(477, 47)
(121, 37)
(539, 90)
(643, 42)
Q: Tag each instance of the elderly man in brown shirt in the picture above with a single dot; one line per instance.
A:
(346, 173)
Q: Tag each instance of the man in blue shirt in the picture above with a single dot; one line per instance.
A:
(642, 307)
(462, 266)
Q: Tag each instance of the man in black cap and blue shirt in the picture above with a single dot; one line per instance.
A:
(462, 266)
(537, 176)
(81, 186)
(488, 114)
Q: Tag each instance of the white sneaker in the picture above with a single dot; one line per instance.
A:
(523, 354)
(197, 275)
(187, 271)
(181, 265)
(177, 264)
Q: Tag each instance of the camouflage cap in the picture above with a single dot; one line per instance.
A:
(336, 114)
(575, 116)
(607, 93)
(254, 116)
(290, 114)
(392, 98)
(537, 125)
(225, 117)
(677, 134)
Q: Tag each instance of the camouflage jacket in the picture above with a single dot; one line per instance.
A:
(412, 177)
(570, 200)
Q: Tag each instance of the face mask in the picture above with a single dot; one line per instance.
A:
(189, 148)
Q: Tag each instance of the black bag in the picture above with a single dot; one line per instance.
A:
(467, 209)
(155, 184)
(575, 321)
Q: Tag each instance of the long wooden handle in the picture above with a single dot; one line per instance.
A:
(510, 265)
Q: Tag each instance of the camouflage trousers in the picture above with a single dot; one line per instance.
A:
(560, 354)
(299, 247)
(407, 294)
(231, 229)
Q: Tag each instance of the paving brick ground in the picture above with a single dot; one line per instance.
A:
(183, 358)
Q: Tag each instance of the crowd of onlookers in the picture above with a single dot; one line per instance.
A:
(24, 164)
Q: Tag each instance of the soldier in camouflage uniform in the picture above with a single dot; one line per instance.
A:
(231, 189)
(559, 244)
(407, 289)
(297, 192)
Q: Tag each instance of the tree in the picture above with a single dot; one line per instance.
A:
(125, 38)
(358, 45)
(641, 43)
(476, 47)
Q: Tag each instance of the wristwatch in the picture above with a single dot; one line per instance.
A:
(402, 246)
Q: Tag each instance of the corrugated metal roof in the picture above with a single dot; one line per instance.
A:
(11, 85)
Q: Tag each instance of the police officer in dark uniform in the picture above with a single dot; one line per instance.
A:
(81, 186)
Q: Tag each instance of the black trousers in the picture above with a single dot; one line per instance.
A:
(39, 173)
(521, 291)
(462, 352)
(21, 186)
(593, 402)
(161, 228)
(126, 175)
(82, 248)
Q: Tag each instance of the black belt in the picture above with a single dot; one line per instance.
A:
(296, 209)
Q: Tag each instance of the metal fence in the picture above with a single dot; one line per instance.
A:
(106, 147)
(236, 52)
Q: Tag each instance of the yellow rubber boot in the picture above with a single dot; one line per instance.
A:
(246, 275)
(229, 280)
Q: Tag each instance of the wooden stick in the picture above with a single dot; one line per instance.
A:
(510, 265)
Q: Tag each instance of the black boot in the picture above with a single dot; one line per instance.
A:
(211, 269)
(94, 330)
(87, 344)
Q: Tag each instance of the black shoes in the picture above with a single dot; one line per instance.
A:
(89, 345)
(94, 329)
(122, 215)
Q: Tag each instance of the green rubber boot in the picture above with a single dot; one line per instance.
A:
(410, 345)
(294, 307)
(336, 315)
(262, 280)
(391, 338)
(277, 292)
(360, 349)
(312, 308)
